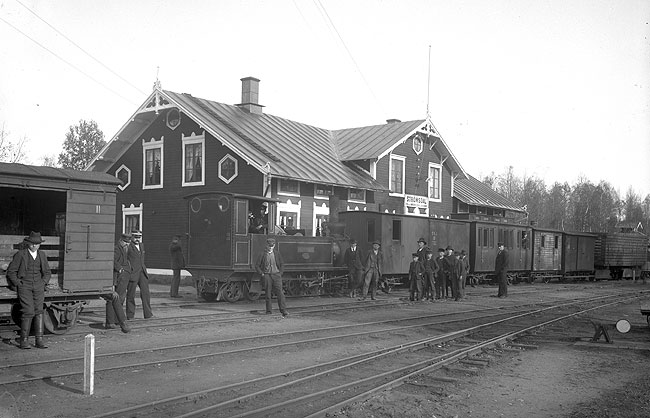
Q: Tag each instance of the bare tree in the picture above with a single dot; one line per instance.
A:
(11, 152)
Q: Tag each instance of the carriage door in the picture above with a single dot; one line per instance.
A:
(89, 240)
(210, 231)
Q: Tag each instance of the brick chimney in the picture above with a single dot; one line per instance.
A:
(250, 92)
(389, 121)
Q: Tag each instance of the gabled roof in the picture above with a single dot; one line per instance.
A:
(35, 176)
(274, 145)
(375, 142)
(474, 192)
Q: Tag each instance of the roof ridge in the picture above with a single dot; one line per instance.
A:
(234, 129)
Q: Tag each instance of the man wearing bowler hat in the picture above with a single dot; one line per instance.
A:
(373, 262)
(270, 266)
(29, 273)
(121, 274)
(138, 277)
(501, 270)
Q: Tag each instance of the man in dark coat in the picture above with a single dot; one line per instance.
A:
(430, 271)
(352, 259)
(416, 278)
(448, 266)
(259, 224)
(270, 266)
(440, 284)
(422, 250)
(121, 274)
(501, 270)
(373, 265)
(177, 263)
(138, 278)
(29, 273)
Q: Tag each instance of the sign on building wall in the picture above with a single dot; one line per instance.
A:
(416, 205)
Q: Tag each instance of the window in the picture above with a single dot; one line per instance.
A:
(288, 187)
(320, 220)
(228, 168)
(557, 242)
(479, 234)
(288, 214)
(397, 164)
(491, 237)
(193, 160)
(173, 118)
(397, 230)
(418, 145)
(370, 230)
(434, 182)
(357, 195)
(543, 240)
(485, 237)
(152, 162)
(131, 218)
(321, 214)
(323, 191)
(288, 220)
(124, 174)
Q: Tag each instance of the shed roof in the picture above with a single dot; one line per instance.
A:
(474, 192)
(31, 176)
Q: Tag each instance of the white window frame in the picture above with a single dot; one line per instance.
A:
(430, 182)
(146, 146)
(132, 211)
(221, 161)
(128, 170)
(401, 193)
(191, 140)
(289, 206)
(283, 193)
(365, 194)
(321, 209)
(417, 139)
(317, 196)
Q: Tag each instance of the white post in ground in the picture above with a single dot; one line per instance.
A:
(89, 365)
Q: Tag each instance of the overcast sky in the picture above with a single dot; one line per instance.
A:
(559, 89)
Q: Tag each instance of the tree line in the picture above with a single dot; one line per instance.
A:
(583, 206)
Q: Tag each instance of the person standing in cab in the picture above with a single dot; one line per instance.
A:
(259, 224)
(29, 273)
(352, 259)
(416, 277)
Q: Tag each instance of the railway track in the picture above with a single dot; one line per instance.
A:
(453, 336)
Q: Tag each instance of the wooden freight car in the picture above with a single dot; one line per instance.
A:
(620, 254)
(578, 255)
(75, 213)
(398, 235)
(222, 251)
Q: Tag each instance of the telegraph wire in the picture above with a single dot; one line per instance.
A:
(80, 48)
(67, 62)
(323, 11)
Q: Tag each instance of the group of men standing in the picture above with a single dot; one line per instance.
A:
(364, 269)
(431, 277)
(129, 273)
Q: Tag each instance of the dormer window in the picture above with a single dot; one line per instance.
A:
(228, 168)
(173, 118)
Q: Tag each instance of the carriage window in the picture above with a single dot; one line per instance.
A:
(485, 237)
(479, 236)
(557, 241)
(491, 237)
(371, 230)
(543, 240)
(397, 230)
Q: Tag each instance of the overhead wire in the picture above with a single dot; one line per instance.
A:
(323, 11)
(80, 48)
(67, 62)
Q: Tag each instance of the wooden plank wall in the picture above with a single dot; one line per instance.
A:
(9, 245)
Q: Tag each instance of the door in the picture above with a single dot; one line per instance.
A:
(210, 231)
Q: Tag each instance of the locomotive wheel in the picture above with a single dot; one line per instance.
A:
(294, 287)
(232, 291)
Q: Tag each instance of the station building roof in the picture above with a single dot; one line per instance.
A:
(474, 192)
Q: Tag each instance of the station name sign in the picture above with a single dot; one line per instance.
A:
(417, 201)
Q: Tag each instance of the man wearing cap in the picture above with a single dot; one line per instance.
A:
(416, 277)
(464, 271)
(440, 275)
(138, 277)
(259, 223)
(373, 262)
(352, 259)
(121, 274)
(430, 271)
(269, 265)
(28, 273)
(448, 267)
(501, 270)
